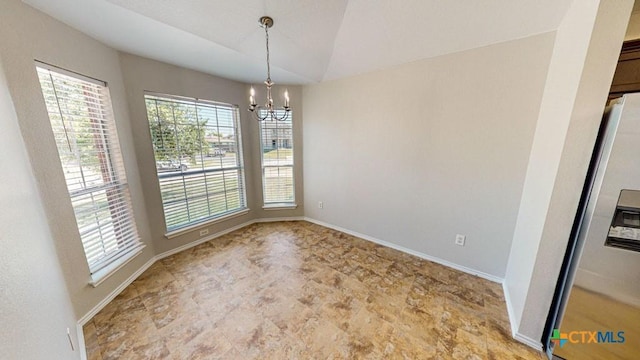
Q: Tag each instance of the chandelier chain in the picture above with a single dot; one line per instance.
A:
(266, 31)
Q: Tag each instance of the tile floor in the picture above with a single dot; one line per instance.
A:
(296, 290)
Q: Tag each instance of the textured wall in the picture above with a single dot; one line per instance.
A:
(25, 35)
(416, 154)
(34, 305)
(584, 59)
(141, 75)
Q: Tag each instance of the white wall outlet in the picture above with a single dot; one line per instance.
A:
(204, 232)
(320, 205)
(460, 239)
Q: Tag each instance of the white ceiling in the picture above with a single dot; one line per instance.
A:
(311, 41)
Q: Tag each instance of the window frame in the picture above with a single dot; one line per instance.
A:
(277, 205)
(171, 232)
(118, 229)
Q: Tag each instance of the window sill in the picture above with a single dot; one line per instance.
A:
(280, 206)
(103, 274)
(188, 229)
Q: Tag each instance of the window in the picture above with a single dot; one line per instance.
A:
(276, 142)
(198, 153)
(82, 121)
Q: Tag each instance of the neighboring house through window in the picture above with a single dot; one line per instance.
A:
(276, 143)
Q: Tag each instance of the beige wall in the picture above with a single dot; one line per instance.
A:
(488, 142)
(25, 35)
(585, 56)
(35, 308)
(416, 154)
(141, 74)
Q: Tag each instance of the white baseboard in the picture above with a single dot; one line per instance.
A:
(536, 344)
(96, 309)
(82, 348)
(290, 218)
(221, 233)
(201, 241)
(403, 249)
(88, 316)
(512, 318)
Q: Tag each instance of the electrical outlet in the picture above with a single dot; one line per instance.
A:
(460, 239)
(320, 205)
(204, 232)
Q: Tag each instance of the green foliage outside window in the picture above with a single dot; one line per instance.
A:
(176, 131)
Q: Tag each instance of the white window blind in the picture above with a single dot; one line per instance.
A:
(82, 121)
(198, 152)
(276, 142)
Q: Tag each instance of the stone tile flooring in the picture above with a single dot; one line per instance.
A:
(296, 290)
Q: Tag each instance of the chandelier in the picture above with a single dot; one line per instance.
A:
(268, 110)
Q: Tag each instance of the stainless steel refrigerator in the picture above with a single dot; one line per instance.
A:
(598, 300)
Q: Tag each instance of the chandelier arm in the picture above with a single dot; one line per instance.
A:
(256, 113)
(284, 117)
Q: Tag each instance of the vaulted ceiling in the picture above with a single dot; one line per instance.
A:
(311, 41)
